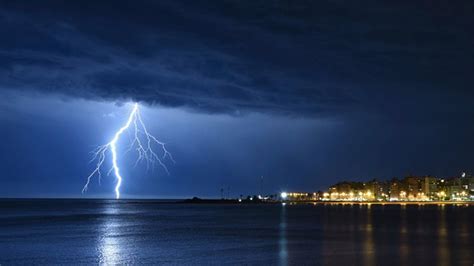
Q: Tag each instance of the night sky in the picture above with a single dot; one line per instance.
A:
(303, 93)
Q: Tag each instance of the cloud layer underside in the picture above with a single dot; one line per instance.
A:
(303, 58)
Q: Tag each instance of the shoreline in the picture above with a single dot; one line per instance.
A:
(383, 202)
(243, 202)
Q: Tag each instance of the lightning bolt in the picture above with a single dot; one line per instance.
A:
(142, 141)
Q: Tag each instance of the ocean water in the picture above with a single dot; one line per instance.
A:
(71, 232)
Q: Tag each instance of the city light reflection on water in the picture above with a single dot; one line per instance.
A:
(369, 247)
(282, 242)
(443, 248)
(404, 248)
(395, 235)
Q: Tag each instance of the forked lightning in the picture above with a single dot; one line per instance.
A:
(142, 141)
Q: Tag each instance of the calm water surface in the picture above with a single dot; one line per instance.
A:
(146, 232)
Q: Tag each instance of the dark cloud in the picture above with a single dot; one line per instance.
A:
(303, 58)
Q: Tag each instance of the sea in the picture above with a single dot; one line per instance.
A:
(136, 232)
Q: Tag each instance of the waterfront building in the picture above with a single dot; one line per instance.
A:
(430, 187)
(396, 187)
(413, 187)
(300, 196)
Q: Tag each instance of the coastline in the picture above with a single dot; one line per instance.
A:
(196, 200)
(470, 203)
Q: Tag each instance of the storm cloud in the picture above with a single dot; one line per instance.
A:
(301, 58)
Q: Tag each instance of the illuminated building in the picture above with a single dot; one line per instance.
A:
(430, 187)
(299, 196)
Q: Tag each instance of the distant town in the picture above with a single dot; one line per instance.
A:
(410, 188)
(415, 189)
